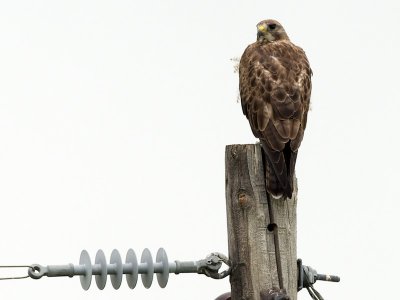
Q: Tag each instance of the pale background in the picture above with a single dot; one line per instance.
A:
(114, 116)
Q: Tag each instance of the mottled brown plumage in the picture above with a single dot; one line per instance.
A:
(275, 89)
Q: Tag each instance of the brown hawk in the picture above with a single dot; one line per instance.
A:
(275, 90)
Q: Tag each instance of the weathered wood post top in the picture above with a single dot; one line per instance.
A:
(256, 226)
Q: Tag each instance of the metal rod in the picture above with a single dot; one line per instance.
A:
(276, 241)
(332, 278)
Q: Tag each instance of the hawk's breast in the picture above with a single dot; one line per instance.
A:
(275, 83)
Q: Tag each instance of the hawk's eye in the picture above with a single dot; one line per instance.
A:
(271, 26)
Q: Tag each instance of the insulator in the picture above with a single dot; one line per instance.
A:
(146, 268)
(131, 268)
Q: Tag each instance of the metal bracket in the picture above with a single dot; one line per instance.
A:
(307, 276)
(212, 264)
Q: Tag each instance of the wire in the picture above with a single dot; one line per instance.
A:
(15, 277)
(315, 295)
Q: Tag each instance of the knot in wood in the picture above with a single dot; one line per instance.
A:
(234, 152)
(244, 201)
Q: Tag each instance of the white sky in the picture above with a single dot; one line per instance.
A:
(114, 116)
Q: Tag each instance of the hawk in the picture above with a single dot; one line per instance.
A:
(275, 90)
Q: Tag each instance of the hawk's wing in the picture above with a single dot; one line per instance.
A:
(275, 89)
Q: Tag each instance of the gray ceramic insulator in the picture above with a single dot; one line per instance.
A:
(131, 268)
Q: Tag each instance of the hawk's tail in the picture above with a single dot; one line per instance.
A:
(279, 171)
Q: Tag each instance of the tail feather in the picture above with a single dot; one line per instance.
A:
(279, 170)
(292, 164)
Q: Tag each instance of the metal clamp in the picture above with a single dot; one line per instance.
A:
(307, 276)
(213, 263)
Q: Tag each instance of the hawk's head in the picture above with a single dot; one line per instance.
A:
(269, 31)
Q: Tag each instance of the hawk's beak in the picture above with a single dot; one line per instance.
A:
(261, 30)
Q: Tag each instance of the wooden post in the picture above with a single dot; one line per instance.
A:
(251, 243)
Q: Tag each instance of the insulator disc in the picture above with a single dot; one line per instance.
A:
(132, 276)
(162, 278)
(101, 279)
(116, 279)
(87, 278)
(147, 278)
